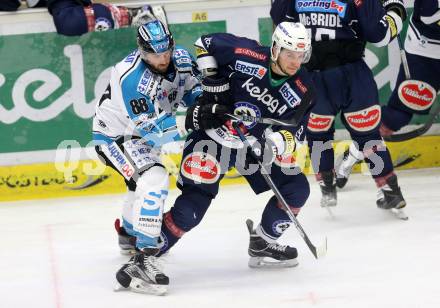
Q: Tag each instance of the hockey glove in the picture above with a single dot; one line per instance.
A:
(277, 143)
(396, 6)
(215, 90)
(206, 116)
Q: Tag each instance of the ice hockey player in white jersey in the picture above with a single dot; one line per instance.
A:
(142, 109)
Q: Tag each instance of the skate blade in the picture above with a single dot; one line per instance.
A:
(399, 213)
(140, 286)
(329, 203)
(127, 252)
(329, 210)
(265, 262)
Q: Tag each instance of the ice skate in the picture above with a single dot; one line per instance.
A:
(127, 242)
(142, 274)
(389, 197)
(328, 188)
(344, 166)
(269, 255)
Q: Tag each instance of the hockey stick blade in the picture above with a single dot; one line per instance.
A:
(418, 131)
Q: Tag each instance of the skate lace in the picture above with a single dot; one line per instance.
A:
(152, 266)
(277, 247)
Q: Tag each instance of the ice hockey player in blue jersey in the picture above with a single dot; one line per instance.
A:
(143, 108)
(243, 77)
(417, 94)
(344, 83)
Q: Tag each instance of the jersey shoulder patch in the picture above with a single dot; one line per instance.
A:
(182, 59)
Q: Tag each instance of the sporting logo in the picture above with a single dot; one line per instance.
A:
(323, 6)
(365, 119)
(201, 168)
(289, 95)
(319, 123)
(250, 69)
(416, 95)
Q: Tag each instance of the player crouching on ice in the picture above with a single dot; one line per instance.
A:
(245, 78)
(136, 115)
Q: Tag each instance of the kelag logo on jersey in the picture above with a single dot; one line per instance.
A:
(250, 69)
(324, 6)
(289, 95)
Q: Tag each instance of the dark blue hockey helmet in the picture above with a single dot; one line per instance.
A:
(154, 37)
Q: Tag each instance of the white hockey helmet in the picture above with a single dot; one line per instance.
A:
(292, 36)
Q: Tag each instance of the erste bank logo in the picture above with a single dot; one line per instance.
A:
(250, 69)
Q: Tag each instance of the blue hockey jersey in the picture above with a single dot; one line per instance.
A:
(254, 92)
(364, 20)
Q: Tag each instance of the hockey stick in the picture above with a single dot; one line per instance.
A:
(305, 104)
(403, 57)
(418, 131)
(318, 252)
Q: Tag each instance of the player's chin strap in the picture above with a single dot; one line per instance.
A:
(318, 252)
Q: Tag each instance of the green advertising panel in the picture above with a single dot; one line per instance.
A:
(49, 82)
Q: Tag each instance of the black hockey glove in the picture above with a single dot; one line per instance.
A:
(396, 6)
(216, 90)
(205, 116)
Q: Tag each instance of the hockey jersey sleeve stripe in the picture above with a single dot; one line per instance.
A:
(98, 136)
(431, 19)
(135, 62)
(419, 37)
(394, 27)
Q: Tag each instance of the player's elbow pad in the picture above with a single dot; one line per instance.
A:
(395, 25)
(206, 63)
(284, 142)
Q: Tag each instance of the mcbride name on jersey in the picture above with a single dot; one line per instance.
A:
(254, 92)
(140, 102)
(365, 20)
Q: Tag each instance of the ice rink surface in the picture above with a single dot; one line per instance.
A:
(62, 253)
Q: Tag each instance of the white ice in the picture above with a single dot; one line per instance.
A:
(62, 253)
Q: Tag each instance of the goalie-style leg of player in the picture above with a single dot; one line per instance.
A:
(142, 212)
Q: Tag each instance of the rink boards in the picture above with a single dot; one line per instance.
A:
(88, 177)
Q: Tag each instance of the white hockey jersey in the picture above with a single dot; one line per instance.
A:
(140, 102)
